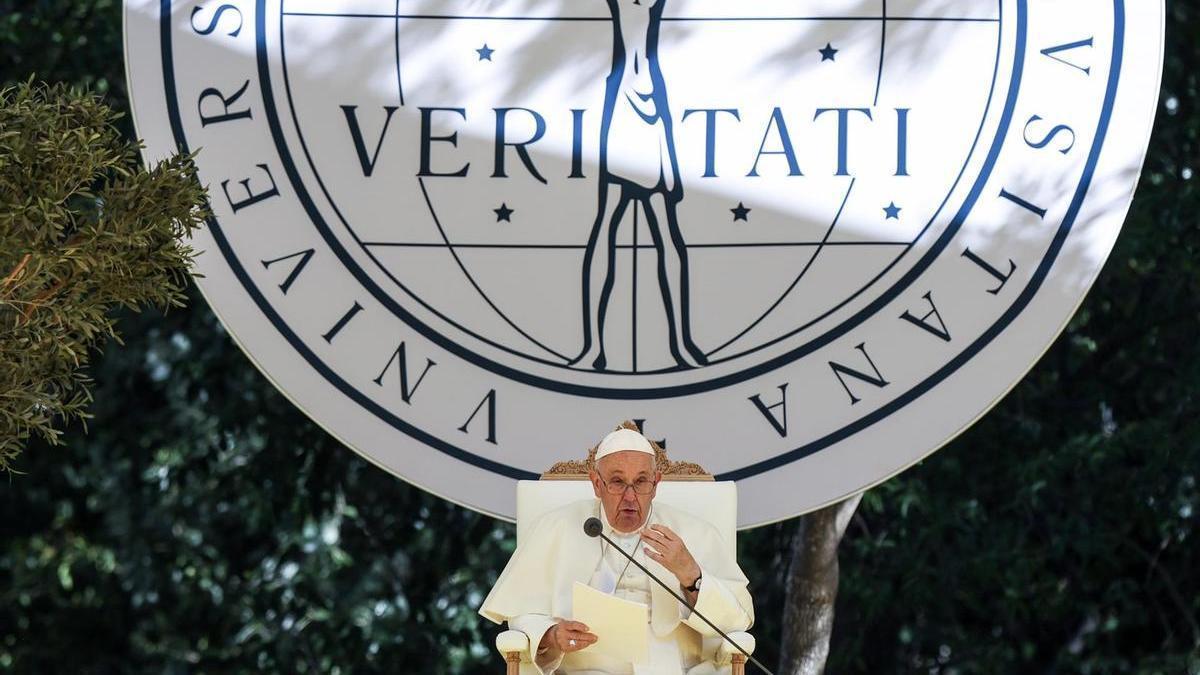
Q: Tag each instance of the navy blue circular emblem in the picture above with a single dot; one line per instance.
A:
(803, 245)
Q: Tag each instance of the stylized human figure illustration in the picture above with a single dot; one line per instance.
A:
(637, 119)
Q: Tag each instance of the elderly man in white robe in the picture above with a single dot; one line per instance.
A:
(534, 592)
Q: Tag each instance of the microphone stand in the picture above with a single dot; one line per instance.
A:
(679, 597)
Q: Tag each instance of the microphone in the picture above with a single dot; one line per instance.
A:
(592, 527)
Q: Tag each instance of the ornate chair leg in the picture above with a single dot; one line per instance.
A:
(739, 664)
(513, 662)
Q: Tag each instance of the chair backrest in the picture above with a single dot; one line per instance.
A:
(713, 502)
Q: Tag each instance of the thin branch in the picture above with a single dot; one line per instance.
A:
(17, 271)
(1169, 583)
(41, 298)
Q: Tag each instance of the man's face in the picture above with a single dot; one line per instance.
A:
(628, 510)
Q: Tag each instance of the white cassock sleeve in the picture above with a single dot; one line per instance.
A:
(717, 601)
(530, 581)
(535, 626)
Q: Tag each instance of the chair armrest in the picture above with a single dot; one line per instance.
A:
(512, 641)
(726, 651)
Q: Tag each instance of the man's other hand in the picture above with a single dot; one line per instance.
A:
(569, 636)
(667, 549)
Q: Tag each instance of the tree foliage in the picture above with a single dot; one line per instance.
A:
(203, 525)
(83, 231)
(1060, 534)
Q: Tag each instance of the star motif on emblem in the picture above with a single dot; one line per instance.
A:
(504, 214)
(828, 53)
(485, 52)
(741, 213)
(892, 211)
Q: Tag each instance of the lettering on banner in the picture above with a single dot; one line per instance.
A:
(641, 427)
(226, 115)
(400, 357)
(502, 142)
(843, 371)
(1028, 206)
(939, 331)
(843, 121)
(215, 19)
(1049, 136)
(785, 141)
(304, 256)
(488, 402)
(343, 322)
(710, 135)
(776, 413)
(252, 197)
(1053, 52)
(356, 135)
(990, 269)
(428, 139)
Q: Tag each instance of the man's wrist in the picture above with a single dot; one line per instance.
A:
(691, 581)
(548, 640)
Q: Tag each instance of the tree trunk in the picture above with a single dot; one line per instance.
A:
(812, 583)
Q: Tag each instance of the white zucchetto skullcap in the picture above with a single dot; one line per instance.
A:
(621, 440)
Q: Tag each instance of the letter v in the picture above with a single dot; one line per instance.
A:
(368, 163)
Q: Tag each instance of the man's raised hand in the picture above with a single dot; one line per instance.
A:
(667, 549)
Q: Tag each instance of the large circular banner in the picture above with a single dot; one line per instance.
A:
(803, 243)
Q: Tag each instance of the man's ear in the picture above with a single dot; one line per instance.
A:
(595, 478)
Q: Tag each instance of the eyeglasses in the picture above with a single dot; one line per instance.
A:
(641, 486)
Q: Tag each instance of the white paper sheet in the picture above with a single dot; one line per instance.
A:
(619, 625)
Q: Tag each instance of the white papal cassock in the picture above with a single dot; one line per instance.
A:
(535, 589)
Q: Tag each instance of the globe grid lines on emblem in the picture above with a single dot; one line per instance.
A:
(897, 372)
(812, 249)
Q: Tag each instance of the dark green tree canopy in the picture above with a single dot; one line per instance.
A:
(83, 232)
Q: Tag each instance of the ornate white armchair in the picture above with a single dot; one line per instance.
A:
(685, 486)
